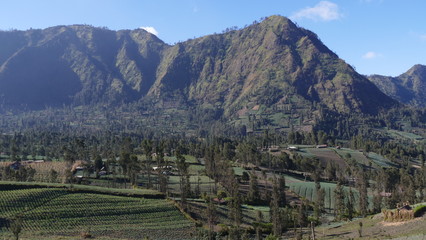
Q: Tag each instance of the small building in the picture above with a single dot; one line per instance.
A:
(322, 146)
(293, 148)
(81, 172)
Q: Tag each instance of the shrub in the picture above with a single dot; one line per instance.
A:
(419, 210)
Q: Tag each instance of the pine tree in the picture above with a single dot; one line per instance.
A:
(281, 191)
(185, 187)
(276, 216)
(254, 193)
(362, 184)
(339, 202)
(350, 205)
(259, 220)
(377, 203)
(234, 205)
(319, 201)
(147, 147)
(211, 215)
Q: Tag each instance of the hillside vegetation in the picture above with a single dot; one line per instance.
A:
(407, 88)
(268, 62)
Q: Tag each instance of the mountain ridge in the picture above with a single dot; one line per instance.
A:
(267, 62)
(407, 88)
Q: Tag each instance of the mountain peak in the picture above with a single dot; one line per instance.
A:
(269, 62)
(278, 19)
(417, 69)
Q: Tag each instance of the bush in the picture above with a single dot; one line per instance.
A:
(419, 210)
(264, 227)
(271, 237)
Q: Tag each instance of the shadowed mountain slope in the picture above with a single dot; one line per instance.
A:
(407, 88)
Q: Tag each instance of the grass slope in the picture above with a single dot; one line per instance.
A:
(375, 228)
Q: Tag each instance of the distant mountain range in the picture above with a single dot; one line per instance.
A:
(268, 62)
(408, 88)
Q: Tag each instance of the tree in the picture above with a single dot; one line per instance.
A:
(281, 191)
(319, 201)
(98, 164)
(53, 175)
(234, 204)
(377, 203)
(420, 182)
(147, 148)
(276, 216)
(339, 202)
(185, 187)
(362, 184)
(133, 169)
(350, 205)
(360, 230)
(330, 171)
(16, 226)
(254, 193)
(245, 177)
(301, 217)
(211, 216)
(124, 162)
(259, 220)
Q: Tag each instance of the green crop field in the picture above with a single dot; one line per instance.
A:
(380, 160)
(406, 135)
(307, 191)
(55, 211)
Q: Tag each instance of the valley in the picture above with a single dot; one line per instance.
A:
(260, 132)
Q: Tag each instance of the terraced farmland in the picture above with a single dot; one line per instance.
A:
(47, 211)
(307, 191)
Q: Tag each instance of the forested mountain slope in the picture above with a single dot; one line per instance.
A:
(407, 88)
(266, 63)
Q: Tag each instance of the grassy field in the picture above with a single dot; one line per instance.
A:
(375, 228)
(340, 156)
(406, 135)
(60, 212)
(380, 160)
(307, 191)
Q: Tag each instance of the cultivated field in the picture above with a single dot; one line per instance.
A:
(63, 212)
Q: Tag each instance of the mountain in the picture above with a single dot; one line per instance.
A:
(76, 64)
(268, 63)
(407, 88)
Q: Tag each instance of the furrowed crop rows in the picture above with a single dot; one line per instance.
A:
(59, 211)
(307, 191)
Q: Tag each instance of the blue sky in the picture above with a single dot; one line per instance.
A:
(375, 36)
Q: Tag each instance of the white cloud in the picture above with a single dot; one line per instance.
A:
(370, 1)
(423, 37)
(150, 30)
(323, 11)
(371, 55)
